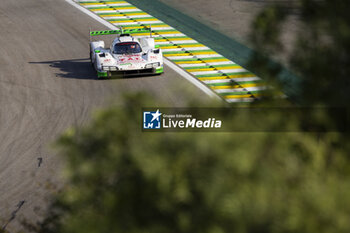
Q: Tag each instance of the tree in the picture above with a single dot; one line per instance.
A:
(120, 179)
(321, 54)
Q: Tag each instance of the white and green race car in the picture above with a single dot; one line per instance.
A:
(127, 55)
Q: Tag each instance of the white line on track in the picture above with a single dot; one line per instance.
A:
(218, 71)
(246, 79)
(172, 57)
(207, 64)
(167, 62)
(185, 49)
(114, 11)
(106, 5)
(231, 79)
(239, 100)
(240, 89)
(135, 22)
(127, 17)
(176, 42)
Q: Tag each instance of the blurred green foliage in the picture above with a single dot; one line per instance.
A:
(120, 179)
(320, 56)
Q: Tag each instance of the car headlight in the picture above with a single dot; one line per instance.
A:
(109, 68)
(154, 65)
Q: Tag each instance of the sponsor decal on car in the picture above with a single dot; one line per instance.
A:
(127, 59)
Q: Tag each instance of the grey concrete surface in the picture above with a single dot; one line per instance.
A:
(234, 17)
(46, 86)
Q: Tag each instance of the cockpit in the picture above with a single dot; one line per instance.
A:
(127, 48)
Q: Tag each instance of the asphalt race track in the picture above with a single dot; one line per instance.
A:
(46, 85)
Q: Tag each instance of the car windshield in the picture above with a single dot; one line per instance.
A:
(127, 48)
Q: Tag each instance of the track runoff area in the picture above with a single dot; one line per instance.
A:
(223, 76)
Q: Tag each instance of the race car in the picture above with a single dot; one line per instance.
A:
(127, 55)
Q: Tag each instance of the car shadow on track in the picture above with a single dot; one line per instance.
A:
(78, 69)
(73, 68)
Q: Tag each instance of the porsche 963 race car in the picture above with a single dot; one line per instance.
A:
(127, 55)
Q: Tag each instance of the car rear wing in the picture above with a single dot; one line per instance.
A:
(121, 31)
